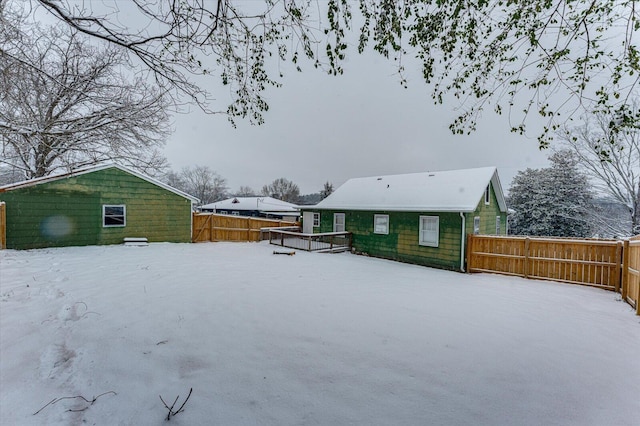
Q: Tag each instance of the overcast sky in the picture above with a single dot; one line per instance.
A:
(324, 128)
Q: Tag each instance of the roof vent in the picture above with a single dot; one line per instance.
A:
(431, 174)
(379, 178)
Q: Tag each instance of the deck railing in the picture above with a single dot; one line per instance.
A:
(325, 242)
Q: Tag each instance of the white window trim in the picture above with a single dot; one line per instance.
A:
(476, 225)
(487, 195)
(386, 224)
(124, 214)
(316, 220)
(344, 223)
(498, 224)
(437, 232)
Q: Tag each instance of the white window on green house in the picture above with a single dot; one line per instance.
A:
(316, 220)
(487, 195)
(476, 225)
(497, 225)
(381, 224)
(429, 231)
(338, 222)
(114, 215)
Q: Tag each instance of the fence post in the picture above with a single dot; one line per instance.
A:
(3, 225)
(619, 266)
(469, 252)
(526, 257)
(625, 269)
(193, 227)
(211, 228)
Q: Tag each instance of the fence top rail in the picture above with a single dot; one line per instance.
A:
(300, 234)
(291, 228)
(550, 239)
(233, 216)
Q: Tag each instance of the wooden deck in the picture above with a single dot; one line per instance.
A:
(328, 242)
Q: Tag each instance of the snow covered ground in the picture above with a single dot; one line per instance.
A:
(310, 339)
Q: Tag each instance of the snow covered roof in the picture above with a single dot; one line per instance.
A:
(451, 191)
(78, 172)
(264, 204)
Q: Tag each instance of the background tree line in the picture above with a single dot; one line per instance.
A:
(207, 185)
(591, 189)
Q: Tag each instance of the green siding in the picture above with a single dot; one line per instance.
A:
(487, 213)
(402, 242)
(68, 211)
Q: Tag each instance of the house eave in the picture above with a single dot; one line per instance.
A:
(417, 209)
(79, 172)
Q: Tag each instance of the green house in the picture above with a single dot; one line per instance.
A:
(420, 218)
(97, 205)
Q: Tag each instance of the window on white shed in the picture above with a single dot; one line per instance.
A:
(381, 224)
(114, 215)
(429, 231)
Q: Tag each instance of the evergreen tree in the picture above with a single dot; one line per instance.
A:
(553, 201)
(326, 190)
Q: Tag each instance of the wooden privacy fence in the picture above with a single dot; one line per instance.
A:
(3, 225)
(612, 265)
(631, 273)
(220, 227)
(589, 262)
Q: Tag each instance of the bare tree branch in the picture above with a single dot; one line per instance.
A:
(170, 409)
(73, 105)
(90, 402)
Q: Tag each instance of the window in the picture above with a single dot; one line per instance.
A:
(487, 195)
(381, 224)
(235, 213)
(476, 225)
(497, 225)
(429, 231)
(316, 220)
(338, 222)
(114, 215)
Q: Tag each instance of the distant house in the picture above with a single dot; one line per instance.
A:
(266, 207)
(96, 205)
(420, 218)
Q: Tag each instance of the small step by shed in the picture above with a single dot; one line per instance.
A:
(135, 241)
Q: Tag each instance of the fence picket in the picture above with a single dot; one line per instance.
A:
(218, 227)
(582, 261)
